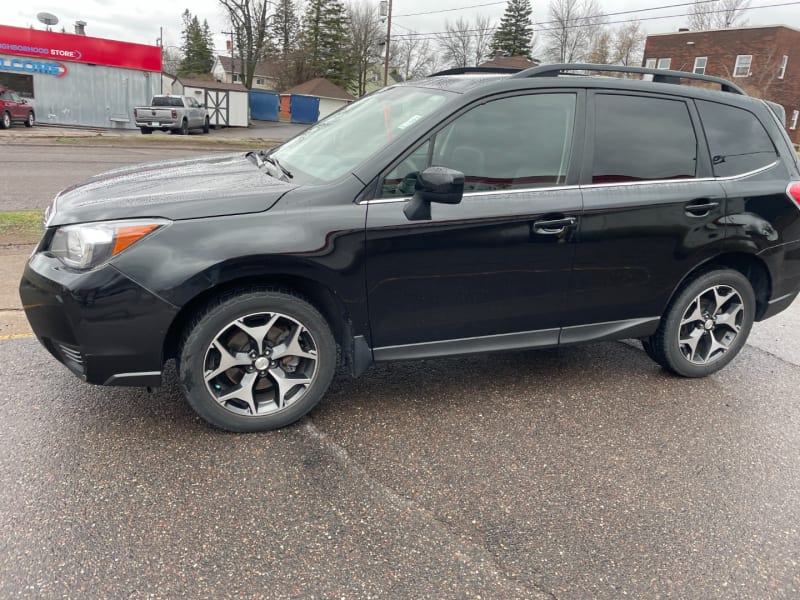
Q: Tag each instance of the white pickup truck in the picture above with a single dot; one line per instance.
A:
(177, 114)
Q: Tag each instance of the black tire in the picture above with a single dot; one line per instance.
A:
(184, 127)
(229, 323)
(5, 121)
(146, 130)
(706, 324)
(206, 126)
(30, 119)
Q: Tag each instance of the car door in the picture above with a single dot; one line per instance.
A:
(17, 107)
(492, 271)
(652, 213)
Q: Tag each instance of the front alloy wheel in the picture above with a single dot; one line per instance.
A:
(256, 360)
(260, 364)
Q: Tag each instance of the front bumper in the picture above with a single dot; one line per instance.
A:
(100, 324)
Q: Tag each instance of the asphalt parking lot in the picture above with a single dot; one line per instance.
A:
(584, 472)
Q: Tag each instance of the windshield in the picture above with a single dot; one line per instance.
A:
(338, 144)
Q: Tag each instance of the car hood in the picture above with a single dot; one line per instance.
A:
(178, 189)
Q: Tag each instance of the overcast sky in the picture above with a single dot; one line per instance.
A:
(139, 20)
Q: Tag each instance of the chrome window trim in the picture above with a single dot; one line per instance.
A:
(591, 185)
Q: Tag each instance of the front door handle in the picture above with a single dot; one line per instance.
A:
(554, 226)
(700, 208)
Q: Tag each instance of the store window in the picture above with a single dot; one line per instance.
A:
(22, 84)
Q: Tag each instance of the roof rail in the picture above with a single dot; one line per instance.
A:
(468, 70)
(659, 75)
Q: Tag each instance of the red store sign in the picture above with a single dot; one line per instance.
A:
(52, 46)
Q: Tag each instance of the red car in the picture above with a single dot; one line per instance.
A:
(14, 108)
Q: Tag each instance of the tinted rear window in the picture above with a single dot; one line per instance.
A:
(167, 102)
(639, 138)
(736, 138)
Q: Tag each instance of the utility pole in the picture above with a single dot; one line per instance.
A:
(388, 39)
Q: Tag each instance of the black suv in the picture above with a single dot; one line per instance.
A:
(458, 214)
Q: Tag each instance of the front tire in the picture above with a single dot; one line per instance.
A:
(706, 325)
(30, 119)
(256, 359)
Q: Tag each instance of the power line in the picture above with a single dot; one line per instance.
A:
(434, 35)
(431, 12)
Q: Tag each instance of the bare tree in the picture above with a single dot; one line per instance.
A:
(366, 33)
(170, 60)
(575, 23)
(719, 14)
(629, 44)
(414, 57)
(456, 43)
(601, 49)
(250, 22)
(483, 35)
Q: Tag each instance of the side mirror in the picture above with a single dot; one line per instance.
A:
(434, 184)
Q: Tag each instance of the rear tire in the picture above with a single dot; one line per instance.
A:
(184, 127)
(256, 359)
(5, 121)
(146, 130)
(30, 120)
(705, 325)
(206, 126)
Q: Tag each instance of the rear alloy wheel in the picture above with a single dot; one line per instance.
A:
(30, 120)
(706, 325)
(5, 122)
(257, 360)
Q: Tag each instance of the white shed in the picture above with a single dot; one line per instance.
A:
(227, 103)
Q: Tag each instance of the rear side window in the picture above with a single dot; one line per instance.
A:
(736, 138)
(641, 138)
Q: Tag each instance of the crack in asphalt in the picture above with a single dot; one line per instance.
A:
(398, 501)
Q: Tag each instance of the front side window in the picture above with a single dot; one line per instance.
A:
(737, 140)
(700, 65)
(511, 143)
(641, 138)
(742, 66)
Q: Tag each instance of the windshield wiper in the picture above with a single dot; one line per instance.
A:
(274, 161)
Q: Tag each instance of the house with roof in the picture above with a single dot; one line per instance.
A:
(229, 70)
(509, 62)
(762, 60)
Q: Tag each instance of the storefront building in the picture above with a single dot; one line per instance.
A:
(75, 79)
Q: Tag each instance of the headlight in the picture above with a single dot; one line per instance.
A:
(87, 245)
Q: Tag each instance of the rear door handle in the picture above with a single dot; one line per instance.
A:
(554, 226)
(700, 208)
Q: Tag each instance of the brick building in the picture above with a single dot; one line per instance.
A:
(764, 61)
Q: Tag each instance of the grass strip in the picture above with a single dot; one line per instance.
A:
(21, 222)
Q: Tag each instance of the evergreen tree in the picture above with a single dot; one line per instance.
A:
(514, 37)
(198, 57)
(326, 40)
(285, 26)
